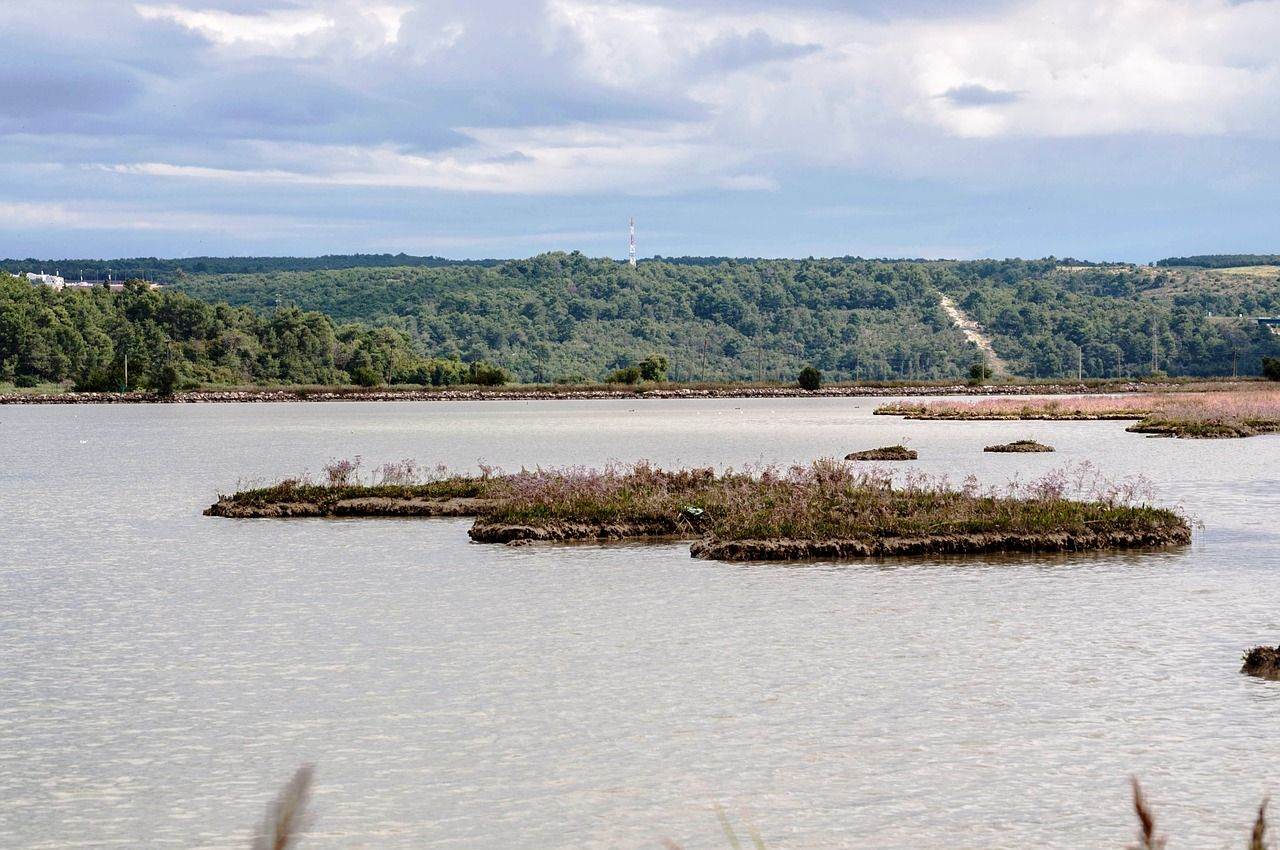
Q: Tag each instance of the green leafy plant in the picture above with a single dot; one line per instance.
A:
(810, 378)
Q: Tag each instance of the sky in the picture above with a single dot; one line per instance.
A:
(1112, 129)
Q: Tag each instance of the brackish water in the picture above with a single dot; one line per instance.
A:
(162, 673)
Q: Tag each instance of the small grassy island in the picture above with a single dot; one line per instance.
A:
(823, 510)
(884, 453)
(1208, 415)
(1263, 662)
(1019, 447)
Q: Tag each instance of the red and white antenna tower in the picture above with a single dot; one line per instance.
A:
(631, 252)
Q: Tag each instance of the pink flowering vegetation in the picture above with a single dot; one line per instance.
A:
(828, 499)
(1239, 413)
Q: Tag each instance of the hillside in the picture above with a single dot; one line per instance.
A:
(560, 315)
(567, 315)
(574, 318)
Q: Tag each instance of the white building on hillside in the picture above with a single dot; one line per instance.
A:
(52, 280)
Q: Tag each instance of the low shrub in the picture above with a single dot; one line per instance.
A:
(487, 375)
(626, 375)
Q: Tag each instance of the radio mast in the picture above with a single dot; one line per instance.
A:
(631, 252)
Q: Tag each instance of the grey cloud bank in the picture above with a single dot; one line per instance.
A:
(498, 128)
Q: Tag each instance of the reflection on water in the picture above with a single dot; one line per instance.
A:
(161, 673)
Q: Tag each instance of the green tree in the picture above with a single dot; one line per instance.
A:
(653, 368)
(810, 378)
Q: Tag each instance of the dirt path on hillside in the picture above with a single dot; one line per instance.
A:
(974, 333)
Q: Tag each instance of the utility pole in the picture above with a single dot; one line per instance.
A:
(1079, 363)
(126, 371)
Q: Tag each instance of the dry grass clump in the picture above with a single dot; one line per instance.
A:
(1262, 661)
(1085, 407)
(828, 499)
(344, 479)
(1240, 413)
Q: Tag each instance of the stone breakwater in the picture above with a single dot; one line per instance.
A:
(658, 392)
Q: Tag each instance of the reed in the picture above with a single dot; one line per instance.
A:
(1239, 413)
(287, 817)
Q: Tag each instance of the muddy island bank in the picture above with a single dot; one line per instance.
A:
(825, 510)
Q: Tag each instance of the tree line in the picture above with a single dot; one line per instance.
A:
(143, 338)
(1222, 261)
(173, 270)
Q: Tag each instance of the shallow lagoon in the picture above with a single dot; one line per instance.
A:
(161, 673)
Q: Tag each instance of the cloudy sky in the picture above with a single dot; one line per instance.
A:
(1123, 129)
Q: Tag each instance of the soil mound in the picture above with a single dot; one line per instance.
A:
(884, 453)
(1019, 446)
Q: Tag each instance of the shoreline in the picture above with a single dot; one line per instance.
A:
(657, 391)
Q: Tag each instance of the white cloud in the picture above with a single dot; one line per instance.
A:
(17, 215)
(532, 160)
(288, 31)
(1078, 68)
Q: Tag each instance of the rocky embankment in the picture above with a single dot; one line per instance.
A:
(545, 394)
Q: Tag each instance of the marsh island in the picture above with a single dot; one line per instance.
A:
(826, 509)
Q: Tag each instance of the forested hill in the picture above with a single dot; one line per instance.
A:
(570, 317)
(562, 315)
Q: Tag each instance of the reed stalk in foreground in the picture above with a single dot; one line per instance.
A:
(1147, 838)
(287, 816)
(287, 819)
(1258, 839)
